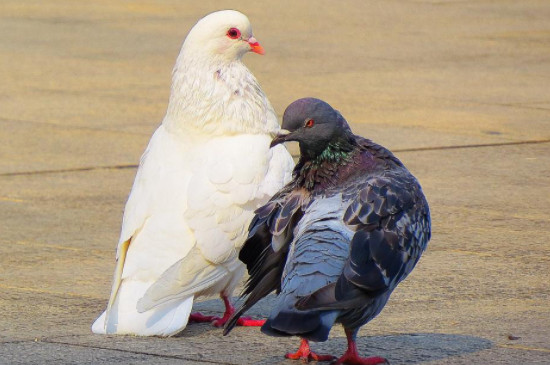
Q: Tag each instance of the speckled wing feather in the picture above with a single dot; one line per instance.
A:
(264, 254)
(392, 223)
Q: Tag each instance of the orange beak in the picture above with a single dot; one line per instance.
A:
(255, 46)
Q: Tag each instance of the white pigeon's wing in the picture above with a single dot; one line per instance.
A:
(239, 174)
(144, 215)
(188, 276)
(232, 177)
(138, 206)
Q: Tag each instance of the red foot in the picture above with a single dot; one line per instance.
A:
(305, 354)
(249, 322)
(351, 357)
(220, 321)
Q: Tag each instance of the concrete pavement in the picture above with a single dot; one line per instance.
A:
(459, 89)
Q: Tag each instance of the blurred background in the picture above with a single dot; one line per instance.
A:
(458, 89)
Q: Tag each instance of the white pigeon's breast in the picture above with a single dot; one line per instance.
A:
(233, 176)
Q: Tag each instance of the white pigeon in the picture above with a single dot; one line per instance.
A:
(206, 169)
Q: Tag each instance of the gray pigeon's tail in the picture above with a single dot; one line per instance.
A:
(311, 325)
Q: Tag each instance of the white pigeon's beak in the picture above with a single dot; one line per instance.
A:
(255, 46)
(279, 138)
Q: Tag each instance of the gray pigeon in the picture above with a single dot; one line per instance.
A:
(334, 242)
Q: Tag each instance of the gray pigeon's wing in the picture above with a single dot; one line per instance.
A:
(265, 251)
(392, 222)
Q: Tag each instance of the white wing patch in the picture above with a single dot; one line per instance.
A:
(226, 190)
(139, 204)
(186, 277)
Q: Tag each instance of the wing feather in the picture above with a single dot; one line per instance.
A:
(392, 223)
(188, 276)
(265, 260)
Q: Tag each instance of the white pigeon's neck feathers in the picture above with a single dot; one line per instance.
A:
(212, 91)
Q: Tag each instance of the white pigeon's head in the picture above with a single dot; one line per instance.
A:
(225, 34)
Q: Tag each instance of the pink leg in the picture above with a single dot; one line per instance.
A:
(229, 310)
(305, 354)
(351, 357)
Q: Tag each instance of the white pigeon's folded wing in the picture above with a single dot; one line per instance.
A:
(145, 214)
(185, 278)
(228, 184)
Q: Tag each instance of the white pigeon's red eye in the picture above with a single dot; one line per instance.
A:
(233, 33)
(309, 123)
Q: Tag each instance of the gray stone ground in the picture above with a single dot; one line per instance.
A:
(459, 89)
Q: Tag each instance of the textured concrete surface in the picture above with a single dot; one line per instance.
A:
(459, 89)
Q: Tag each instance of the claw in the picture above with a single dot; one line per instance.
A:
(351, 356)
(305, 354)
(249, 322)
(220, 321)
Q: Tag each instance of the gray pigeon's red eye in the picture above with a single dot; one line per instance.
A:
(309, 123)
(233, 33)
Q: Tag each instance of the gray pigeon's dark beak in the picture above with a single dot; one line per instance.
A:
(280, 138)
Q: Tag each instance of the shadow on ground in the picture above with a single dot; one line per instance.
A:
(249, 346)
(409, 349)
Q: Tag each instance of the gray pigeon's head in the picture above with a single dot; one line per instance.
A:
(314, 124)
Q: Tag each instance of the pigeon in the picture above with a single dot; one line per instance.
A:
(335, 241)
(206, 169)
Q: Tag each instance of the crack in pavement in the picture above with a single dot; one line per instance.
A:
(178, 357)
(72, 127)
(76, 169)
(523, 347)
(478, 145)
(397, 150)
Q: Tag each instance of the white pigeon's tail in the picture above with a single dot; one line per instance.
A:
(164, 320)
